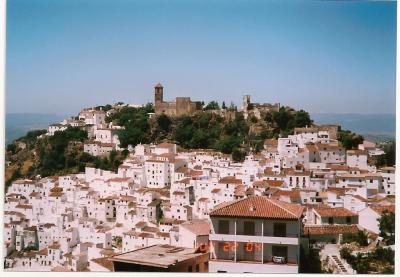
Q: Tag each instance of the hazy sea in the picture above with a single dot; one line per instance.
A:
(18, 124)
(374, 127)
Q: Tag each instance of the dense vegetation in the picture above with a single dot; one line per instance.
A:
(349, 140)
(389, 158)
(379, 261)
(207, 130)
(310, 263)
(58, 154)
(387, 227)
(360, 238)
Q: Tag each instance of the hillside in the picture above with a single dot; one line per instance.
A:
(226, 131)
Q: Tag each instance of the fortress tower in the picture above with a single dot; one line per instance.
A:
(246, 102)
(158, 93)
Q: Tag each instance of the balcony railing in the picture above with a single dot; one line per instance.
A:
(257, 239)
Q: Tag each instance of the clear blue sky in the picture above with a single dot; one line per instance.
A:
(321, 56)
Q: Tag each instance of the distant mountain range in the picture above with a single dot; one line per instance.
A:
(18, 124)
(375, 127)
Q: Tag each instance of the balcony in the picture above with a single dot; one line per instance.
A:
(290, 239)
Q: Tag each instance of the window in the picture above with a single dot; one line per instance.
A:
(197, 268)
(330, 220)
(279, 229)
(348, 219)
(223, 227)
(190, 269)
(249, 228)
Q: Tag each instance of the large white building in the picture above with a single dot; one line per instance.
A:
(256, 235)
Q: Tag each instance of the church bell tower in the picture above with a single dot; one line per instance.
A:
(158, 93)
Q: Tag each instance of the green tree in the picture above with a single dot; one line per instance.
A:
(232, 107)
(14, 176)
(389, 158)
(362, 238)
(227, 145)
(11, 148)
(302, 119)
(349, 140)
(213, 105)
(223, 105)
(160, 215)
(387, 226)
(282, 118)
(164, 122)
(238, 155)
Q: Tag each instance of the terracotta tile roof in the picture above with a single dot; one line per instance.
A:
(250, 191)
(335, 212)
(141, 224)
(330, 229)
(198, 227)
(145, 235)
(43, 252)
(165, 145)
(56, 194)
(55, 245)
(271, 142)
(382, 209)
(150, 229)
(298, 173)
(357, 152)
(24, 206)
(360, 198)
(166, 220)
(230, 180)
(195, 173)
(104, 262)
(338, 191)
(118, 179)
(259, 207)
(56, 189)
(127, 198)
(299, 130)
(289, 193)
(185, 181)
(327, 147)
(130, 233)
(181, 170)
(239, 190)
(339, 167)
(203, 199)
(311, 148)
(163, 234)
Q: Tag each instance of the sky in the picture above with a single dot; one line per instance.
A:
(320, 56)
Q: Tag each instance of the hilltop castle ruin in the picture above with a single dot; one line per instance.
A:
(181, 105)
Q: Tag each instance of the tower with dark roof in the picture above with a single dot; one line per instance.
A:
(158, 93)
